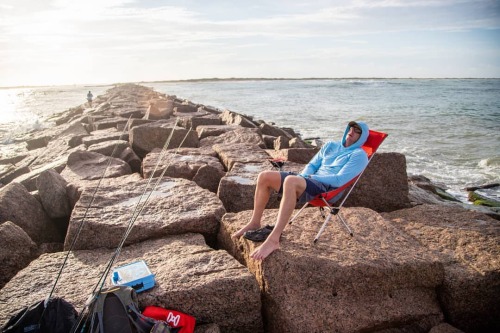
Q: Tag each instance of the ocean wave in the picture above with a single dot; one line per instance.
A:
(490, 167)
(490, 163)
(367, 82)
(9, 132)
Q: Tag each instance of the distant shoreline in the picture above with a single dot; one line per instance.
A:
(319, 79)
(253, 79)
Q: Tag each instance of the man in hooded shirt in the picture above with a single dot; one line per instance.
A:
(333, 166)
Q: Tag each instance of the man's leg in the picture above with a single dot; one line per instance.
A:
(266, 181)
(293, 187)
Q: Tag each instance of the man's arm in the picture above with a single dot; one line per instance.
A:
(357, 162)
(315, 162)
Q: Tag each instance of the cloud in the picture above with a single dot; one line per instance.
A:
(113, 19)
(224, 36)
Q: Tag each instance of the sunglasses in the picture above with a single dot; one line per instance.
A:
(356, 130)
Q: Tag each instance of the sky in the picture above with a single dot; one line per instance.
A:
(56, 42)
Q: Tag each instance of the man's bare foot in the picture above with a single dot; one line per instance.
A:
(265, 250)
(249, 226)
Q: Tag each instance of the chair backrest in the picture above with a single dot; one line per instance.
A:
(374, 140)
(371, 145)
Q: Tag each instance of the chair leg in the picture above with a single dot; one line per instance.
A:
(322, 212)
(345, 224)
(322, 229)
(300, 211)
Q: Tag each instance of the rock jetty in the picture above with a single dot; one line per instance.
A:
(183, 174)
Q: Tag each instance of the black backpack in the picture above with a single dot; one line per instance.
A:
(59, 317)
(116, 309)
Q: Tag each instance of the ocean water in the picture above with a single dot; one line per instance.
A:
(23, 109)
(448, 129)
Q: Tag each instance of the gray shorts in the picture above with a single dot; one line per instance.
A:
(313, 187)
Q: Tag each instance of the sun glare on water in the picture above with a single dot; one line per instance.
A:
(16, 106)
(16, 114)
(9, 100)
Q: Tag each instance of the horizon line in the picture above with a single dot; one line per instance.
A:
(214, 79)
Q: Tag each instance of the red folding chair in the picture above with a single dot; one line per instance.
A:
(322, 200)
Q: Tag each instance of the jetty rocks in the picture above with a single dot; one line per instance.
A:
(178, 178)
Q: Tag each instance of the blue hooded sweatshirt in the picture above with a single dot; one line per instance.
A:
(335, 164)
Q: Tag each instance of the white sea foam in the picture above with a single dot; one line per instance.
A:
(490, 163)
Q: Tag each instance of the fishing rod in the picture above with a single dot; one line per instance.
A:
(132, 222)
(134, 216)
(82, 222)
(151, 192)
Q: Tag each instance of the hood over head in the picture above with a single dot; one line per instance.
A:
(365, 131)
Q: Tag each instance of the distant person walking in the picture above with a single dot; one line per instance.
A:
(89, 98)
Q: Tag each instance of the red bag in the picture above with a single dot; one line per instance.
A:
(174, 318)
